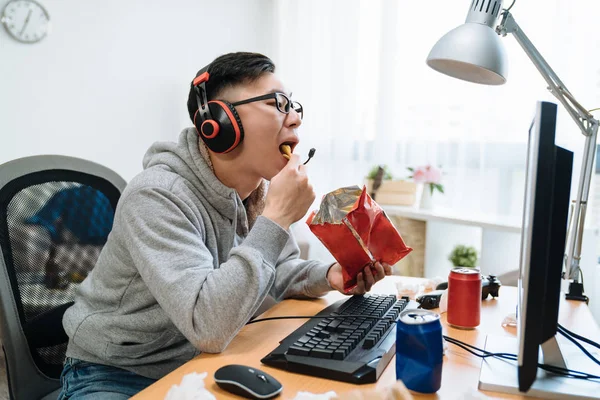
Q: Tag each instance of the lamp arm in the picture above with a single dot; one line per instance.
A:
(586, 123)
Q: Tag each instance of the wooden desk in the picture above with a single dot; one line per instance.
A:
(460, 370)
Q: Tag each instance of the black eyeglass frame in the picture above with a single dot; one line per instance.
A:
(296, 106)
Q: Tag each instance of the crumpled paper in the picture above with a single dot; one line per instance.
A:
(190, 388)
(510, 320)
(312, 396)
(397, 391)
(410, 290)
(444, 302)
(413, 290)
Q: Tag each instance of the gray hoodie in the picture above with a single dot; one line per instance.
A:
(182, 271)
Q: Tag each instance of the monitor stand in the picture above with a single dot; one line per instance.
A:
(501, 375)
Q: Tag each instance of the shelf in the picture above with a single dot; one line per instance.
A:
(508, 224)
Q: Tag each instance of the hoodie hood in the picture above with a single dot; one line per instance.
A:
(190, 159)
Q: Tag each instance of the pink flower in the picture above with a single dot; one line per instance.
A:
(420, 175)
(432, 175)
(429, 176)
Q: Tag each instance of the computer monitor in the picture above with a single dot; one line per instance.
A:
(545, 214)
(543, 237)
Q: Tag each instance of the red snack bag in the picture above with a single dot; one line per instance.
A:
(356, 231)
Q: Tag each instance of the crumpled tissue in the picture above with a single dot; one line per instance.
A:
(190, 388)
(444, 302)
(510, 320)
(312, 396)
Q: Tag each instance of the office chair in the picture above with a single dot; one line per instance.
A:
(55, 215)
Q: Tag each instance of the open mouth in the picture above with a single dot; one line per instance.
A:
(287, 148)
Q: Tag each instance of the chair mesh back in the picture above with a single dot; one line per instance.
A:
(51, 233)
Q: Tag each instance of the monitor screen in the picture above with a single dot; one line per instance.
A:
(545, 214)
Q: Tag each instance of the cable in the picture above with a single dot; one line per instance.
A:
(486, 354)
(576, 336)
(512, 357)
(511, 6)
(319, 317)
(580, 271)
(470, 348)
(576, 343)
(594, 109)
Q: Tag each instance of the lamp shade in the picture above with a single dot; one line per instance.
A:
(472, 52)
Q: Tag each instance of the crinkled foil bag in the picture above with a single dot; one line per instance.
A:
(356, 231)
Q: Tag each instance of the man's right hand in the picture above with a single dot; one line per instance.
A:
(290, 194)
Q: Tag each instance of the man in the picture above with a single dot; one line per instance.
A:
(196, 245)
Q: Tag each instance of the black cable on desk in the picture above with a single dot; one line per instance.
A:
(319, 317)
(574, 341)
(465, 346)
(576, 336)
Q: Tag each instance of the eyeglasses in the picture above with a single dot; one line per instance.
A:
(282, 101)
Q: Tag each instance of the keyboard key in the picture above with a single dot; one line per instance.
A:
(369, 343)
(323, 334)
(339, 355)
(333, 325)
(298, 351)
(304, 339)
(321, 353)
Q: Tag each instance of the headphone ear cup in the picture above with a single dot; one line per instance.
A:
(225, 131)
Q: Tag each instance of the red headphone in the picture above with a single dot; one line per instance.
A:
(217, 121)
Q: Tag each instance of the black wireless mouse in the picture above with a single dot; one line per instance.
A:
(248, 382)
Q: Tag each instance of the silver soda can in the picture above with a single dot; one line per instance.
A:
(419, 350)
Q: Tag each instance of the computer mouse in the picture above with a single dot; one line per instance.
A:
(248, 382)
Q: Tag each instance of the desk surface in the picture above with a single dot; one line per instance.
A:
(460, 370)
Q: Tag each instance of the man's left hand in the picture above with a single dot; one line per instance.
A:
(364, 281)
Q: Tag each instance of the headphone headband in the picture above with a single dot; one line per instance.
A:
(201, 78)
(199, 83)
(217, 122)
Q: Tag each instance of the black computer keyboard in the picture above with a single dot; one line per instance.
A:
(349, 349)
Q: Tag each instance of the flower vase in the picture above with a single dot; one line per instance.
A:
(426, 198)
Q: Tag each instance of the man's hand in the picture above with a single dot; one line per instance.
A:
(290, 194)
(365, 279)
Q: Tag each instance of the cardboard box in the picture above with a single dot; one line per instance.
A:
(394, 192)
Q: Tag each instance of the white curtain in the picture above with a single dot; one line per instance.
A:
(358, 67)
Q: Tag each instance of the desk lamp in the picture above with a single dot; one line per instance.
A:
(473, 52)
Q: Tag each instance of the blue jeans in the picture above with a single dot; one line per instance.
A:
(82, 380)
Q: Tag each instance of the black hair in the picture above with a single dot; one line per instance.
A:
(230, 70)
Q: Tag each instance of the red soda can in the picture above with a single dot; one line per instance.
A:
(464, 297)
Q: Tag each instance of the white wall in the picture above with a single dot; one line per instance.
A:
(113, 75)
